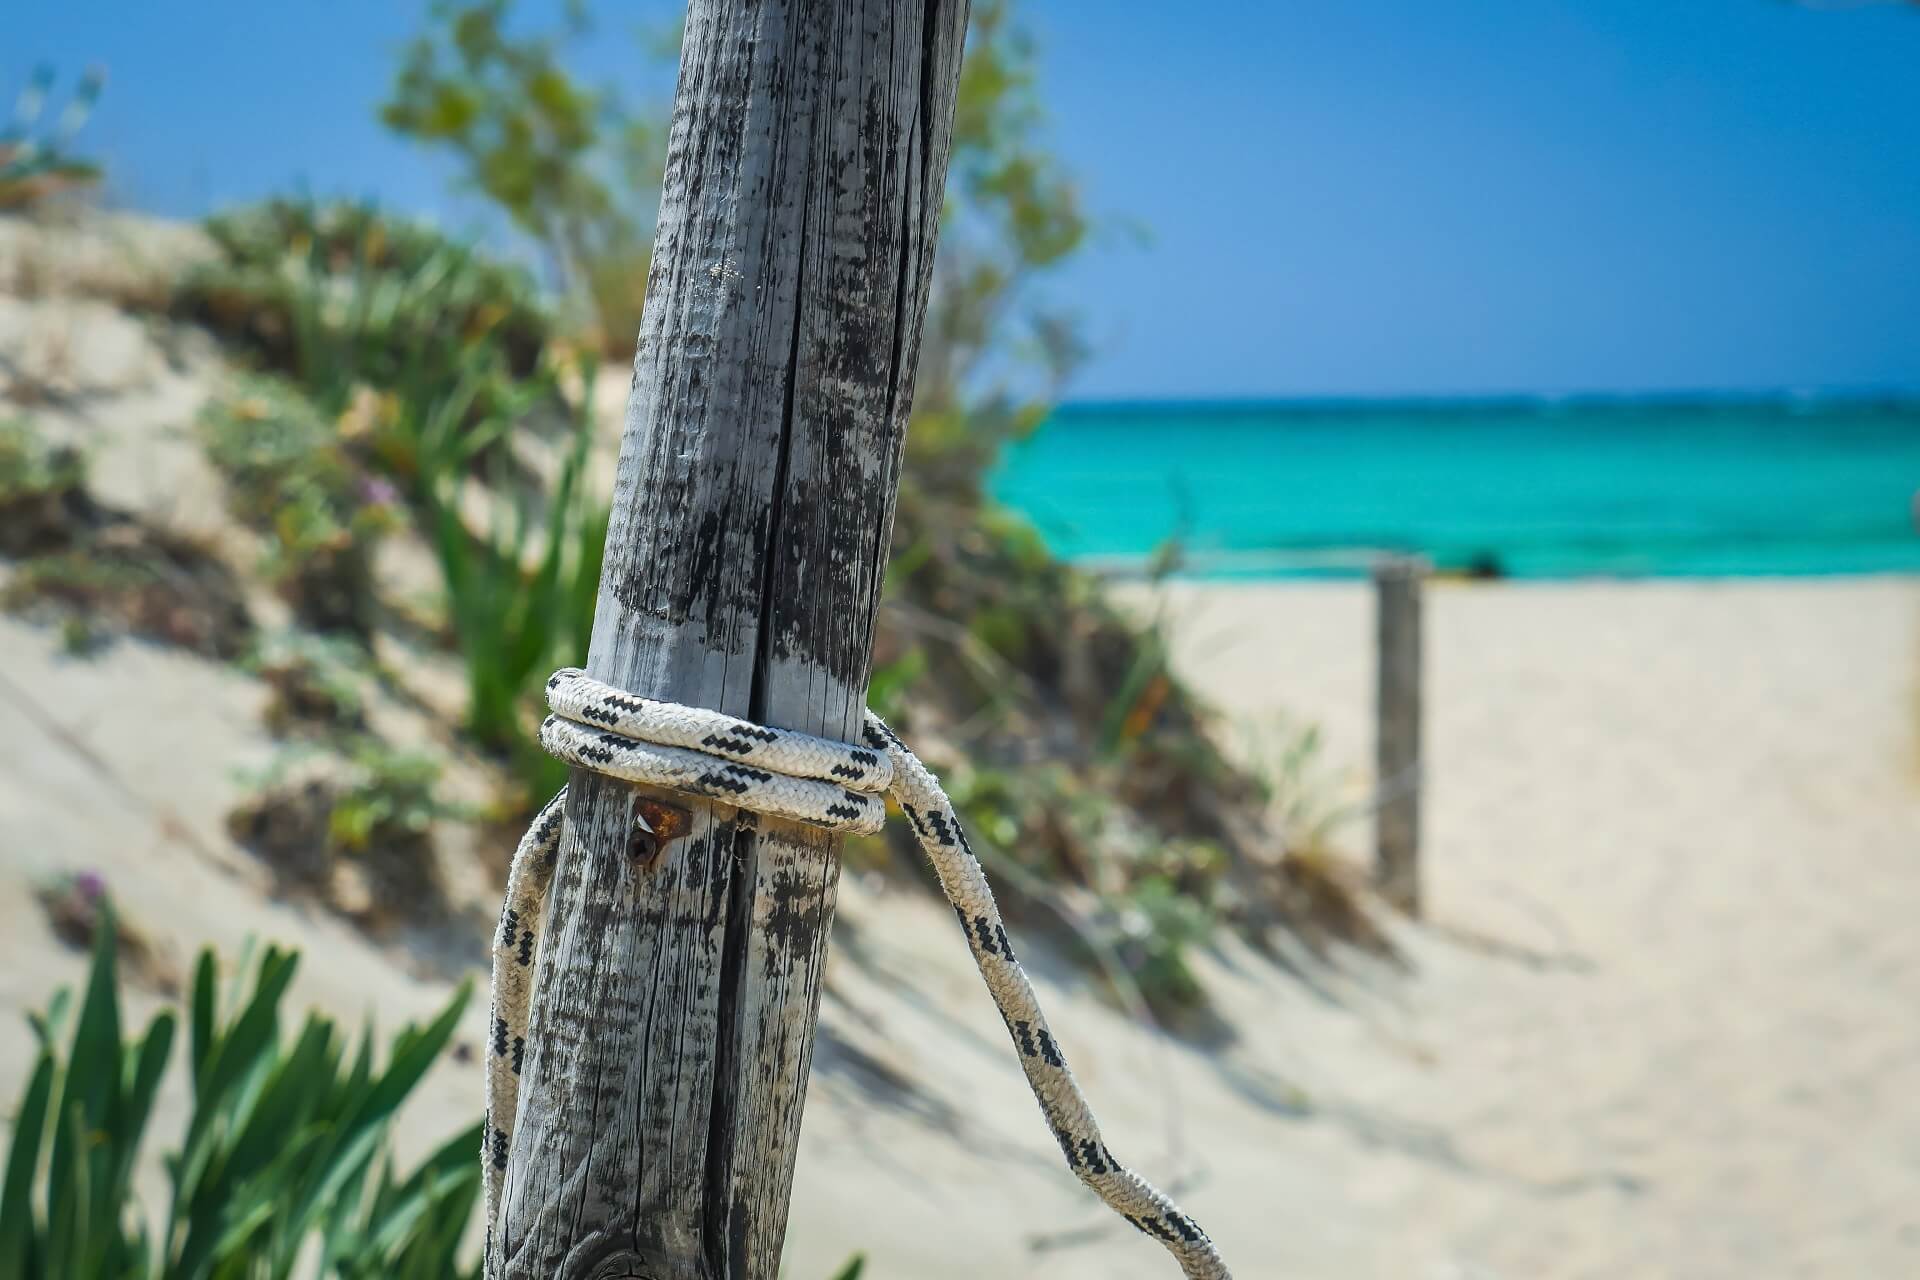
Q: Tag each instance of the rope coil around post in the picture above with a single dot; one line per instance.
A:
(837, 786)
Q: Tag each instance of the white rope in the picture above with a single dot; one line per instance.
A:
(827, 784)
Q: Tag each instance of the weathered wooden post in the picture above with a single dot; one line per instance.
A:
(672, 1028)
(1398, 771)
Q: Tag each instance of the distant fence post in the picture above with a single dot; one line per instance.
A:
(1398, 771)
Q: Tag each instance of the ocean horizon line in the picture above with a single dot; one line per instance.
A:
(1884, 399)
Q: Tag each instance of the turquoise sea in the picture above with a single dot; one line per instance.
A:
(1524, 488)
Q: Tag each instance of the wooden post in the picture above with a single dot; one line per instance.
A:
(672, 1025)
(1398, 771)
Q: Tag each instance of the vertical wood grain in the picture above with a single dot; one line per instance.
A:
(672, 1027)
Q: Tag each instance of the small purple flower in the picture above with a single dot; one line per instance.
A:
(378, 491)
(90, 885)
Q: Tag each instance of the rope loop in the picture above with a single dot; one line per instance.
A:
(773, 771)
(834, 785)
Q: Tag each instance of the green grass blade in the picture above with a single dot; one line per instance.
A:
(146, 1066)
(93, 1064)
(288, 1097)
(414, 1052)
(23, 1160)
(69, 1198)
(200, 1037)
(47, 1026)
(234, 1053)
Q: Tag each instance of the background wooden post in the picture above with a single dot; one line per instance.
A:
(1398, 769)
(672, 1027)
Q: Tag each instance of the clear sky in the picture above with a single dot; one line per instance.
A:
(1378, 198)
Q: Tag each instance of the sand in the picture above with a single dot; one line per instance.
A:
(1660, 1023)
(1664, 1021)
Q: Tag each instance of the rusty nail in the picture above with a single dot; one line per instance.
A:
(654, 824)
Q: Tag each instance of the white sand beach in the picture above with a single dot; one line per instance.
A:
(1660, 1022)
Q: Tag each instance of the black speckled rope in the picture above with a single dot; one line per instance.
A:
(828, 784)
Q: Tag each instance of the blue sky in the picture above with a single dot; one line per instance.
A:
(1377, 198)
